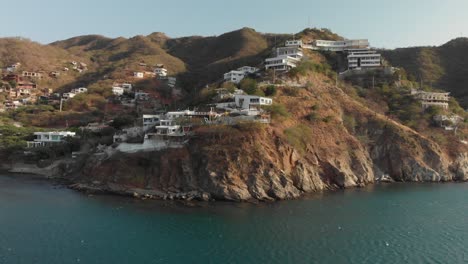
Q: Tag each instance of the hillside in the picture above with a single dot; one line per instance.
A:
(444, 67)
(310, 146)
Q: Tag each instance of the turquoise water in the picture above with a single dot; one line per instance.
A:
(401, 223)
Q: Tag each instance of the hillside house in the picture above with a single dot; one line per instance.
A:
(142, 96)
(251, 101)
(363, 58)
(448, 122)
(13, 67)
(281, 63)
(127, 87)
(171, 81)
(236, 76)
(149, 121)
(11, 78)
(79, 90)
(116, 90)
(292, 51)
(32, 74)
(294, 43)
(248, 105)
(26, 85)
(160, 71)
(12, 105)
(172, 129)
(429, 99)
(67, 96)
(342, 45)
(54, 74)
(139, 75)
(49, 138)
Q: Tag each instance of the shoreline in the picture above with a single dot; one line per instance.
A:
(192, 196)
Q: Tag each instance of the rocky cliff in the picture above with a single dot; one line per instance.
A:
(310, 150)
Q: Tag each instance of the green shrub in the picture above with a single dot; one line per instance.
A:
(290, 91)
(313, 116)
(298, 137)
(276, 110)
(270, 90)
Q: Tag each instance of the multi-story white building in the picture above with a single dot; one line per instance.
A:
(251, 101)
(234, 76)
(429, 99)
(116, 90)
(342, 45)
(160, 71)
(281, 63)
(287, 57)
(363, 58)
(150, 121)
(292, 51)
(294, 43)
(237, 75)
(48, 138)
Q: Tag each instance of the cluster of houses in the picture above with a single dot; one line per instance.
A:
(359, 54)
(160, 130)
(158, 71)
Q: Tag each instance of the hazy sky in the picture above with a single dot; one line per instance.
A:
(389, 23)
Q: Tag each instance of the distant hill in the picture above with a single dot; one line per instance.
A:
(32, 55)
(444, 67)
(195, 60)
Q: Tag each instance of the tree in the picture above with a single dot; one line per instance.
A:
(270, 90)
(250, 87)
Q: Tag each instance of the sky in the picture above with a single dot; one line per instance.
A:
(387, 24)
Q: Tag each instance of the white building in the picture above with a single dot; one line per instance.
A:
(116, 90)
(234, 76)
(13, 67)
(171, 81)
(281, 63)
(127, 87)
(48, 138)
(32, 74)
(160, 71)
(246, 105)
(363, 58)
(79, 90)
(67, 96)
(292, 51)
(150, 121)
(294, 43)
(342, 45)
(237, 75)
(169, 128)
(121, 88)
(248, 69)
(429, 99)
(139, 75)
(142, 96)
(251, 101)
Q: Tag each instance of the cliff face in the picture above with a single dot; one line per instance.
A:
(290, 157)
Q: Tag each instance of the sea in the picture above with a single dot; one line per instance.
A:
(46, 223)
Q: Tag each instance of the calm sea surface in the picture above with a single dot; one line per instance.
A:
(400, 223)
